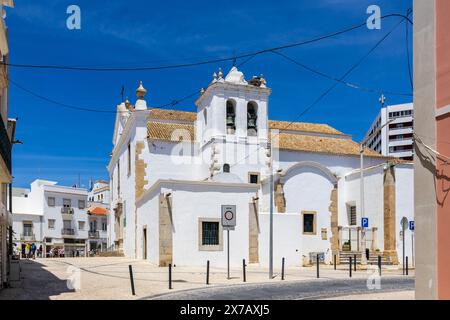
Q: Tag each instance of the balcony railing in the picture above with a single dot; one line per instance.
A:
(67, 210)
(5, 145)
(67, 232)
(94, 234)
(28, 237)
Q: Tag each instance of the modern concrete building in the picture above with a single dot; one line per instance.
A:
(52, 216)
(432, 148)
(7, 128)
(171, 171)
(396, 138)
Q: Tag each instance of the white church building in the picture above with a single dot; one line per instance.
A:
(171, 172)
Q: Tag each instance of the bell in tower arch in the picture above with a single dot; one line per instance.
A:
(231, 117)
(252, 119)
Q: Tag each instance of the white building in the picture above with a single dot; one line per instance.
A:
(7, 128)
(52, 216)
(99, 192)
(171, 171)
(99, 238)
(396, 138)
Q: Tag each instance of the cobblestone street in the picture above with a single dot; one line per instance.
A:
(108, 278)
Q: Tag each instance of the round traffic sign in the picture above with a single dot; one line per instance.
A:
(229, 215)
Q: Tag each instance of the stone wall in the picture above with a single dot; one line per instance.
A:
(165, 231)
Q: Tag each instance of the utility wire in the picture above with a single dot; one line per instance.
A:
(172, 104)
(407, 51)
(326, 92)
(348, 84)
(90, 109)
(199, 63)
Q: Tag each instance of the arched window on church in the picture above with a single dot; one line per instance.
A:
(226, 168)
(231, 117)
(252, 119)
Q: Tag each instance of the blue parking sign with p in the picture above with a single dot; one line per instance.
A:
(411, 225)
(365, 222)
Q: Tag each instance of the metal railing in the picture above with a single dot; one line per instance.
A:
(94, 234)
(67, 210)
(67, 232)
(28, 237)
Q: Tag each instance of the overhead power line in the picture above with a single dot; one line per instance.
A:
(327, 91)
(348, 84)
(199, 63)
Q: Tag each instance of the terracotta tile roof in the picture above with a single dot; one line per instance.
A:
(304, 127)
(176, 115)
(169, 131)
(98, 211)
(327, 145)
(165, 114)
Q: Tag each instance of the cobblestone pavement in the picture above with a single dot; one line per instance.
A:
(108, 278)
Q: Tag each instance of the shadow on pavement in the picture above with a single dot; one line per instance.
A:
(37, 283)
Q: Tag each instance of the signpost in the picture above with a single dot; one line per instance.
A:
(365, 223)
(404, 224)
(411, 228)
(228, 223)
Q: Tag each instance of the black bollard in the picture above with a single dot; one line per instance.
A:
(350, 266)
(243, 270)
(130, 268)
(170, 276)
(379, 265)
(207, 272)
(317, 266)
(335, 258)
(355, 262)
(282, 269)
(407, 267)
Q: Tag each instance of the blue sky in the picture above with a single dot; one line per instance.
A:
(61, 144)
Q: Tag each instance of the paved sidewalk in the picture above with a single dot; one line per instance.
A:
(108, 278)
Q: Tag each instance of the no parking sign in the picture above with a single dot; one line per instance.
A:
(229, 216)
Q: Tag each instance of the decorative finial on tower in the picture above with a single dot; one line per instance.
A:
(220, 73)
(202, 90)
(141, 104)
(127, 103)
(214, 77)
(141, 91)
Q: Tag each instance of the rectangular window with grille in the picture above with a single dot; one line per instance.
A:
(210, 233)
(309, 223)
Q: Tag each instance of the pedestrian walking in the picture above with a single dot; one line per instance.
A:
(27, 250)
(33, 250)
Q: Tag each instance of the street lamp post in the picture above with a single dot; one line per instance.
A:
(362, 146)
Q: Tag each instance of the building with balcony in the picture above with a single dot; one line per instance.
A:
(98, 228)
(396, 138)
(51, 216)
(7, 128)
